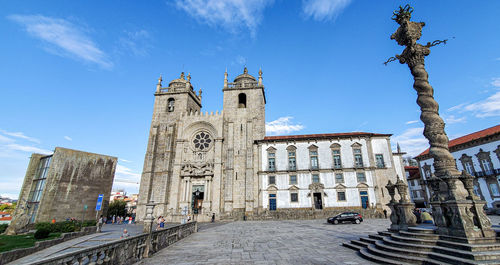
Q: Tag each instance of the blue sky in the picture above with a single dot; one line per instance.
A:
(81, 74)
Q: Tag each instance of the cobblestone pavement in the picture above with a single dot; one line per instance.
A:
(270, 242)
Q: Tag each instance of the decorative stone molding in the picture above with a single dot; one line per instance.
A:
(202, 169)
(316, 187)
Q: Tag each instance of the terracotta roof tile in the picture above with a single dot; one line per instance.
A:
(469, 137)
(320, 136)
(6, 218)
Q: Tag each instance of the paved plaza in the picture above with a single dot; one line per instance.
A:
(270, 242)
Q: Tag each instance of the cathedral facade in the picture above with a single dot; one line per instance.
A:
(200, 164)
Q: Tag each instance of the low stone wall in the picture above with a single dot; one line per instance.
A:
(125, 251)
(303, 214)
(9, 256)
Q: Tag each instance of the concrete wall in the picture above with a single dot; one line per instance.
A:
(75, 179)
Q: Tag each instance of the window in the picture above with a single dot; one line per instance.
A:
(314, 159)
(315, 178)
(242, 101)
(292, 165)
(427, 170)
(380, 160)
(469, 167)
(271, 158)
(293, 179)
(202, 141)
(294, 197)
(358, 159)
(170, 104)
(341, 196)
(337, 163)
(361, 177)
(494, 189)
(272, 180)
(411, 183)
(37, 186)
(339, 178)
(486, 166)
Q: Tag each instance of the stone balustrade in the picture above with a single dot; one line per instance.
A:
(125, 251)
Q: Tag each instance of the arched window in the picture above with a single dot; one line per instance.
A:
(170, 104)
(242, 100)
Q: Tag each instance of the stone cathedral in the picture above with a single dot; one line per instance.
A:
(202, 164)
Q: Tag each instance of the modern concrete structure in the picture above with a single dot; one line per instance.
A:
(58, 186)
(205, 163)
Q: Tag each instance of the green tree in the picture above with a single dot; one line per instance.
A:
(118, 208)
(8, 208)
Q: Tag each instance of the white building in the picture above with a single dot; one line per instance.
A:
(417, 189)
(327, 171)
(479, 154)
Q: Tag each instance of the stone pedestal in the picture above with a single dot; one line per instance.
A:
(148, 219)
(406, 218)
(393, 217)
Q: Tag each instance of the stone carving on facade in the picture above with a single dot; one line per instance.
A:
(455, 209)
(316, 187)
(201, 169)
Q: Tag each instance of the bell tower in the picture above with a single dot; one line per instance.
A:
(244, 122)
(170, 102)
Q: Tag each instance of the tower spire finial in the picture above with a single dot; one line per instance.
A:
(260, 76)
(225, 79)
(158, 85)
(398, 148)
(245, 70)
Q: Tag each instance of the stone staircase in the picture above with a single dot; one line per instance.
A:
(424, 246)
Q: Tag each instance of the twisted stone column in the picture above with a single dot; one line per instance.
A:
(459, 214)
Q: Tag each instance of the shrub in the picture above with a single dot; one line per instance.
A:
(89, 223)
(45, 225)
(42, 233)
(59, 227)
(3, 227)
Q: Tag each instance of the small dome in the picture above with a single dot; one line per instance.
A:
(180, 80)
(245, 77)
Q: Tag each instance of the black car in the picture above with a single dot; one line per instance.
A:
(350, 217)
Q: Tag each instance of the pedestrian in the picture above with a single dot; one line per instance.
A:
(99, 224)
(385, 213)
(427, 218)
(213, 217)
(114, 218)
(125, 234)
(417, 214)
(162, 222)
(158, 221)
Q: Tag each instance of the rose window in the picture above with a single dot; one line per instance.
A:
(202, 141)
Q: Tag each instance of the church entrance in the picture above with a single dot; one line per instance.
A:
(272, 202)
(364, 199)
(318, 204)
(197, 198)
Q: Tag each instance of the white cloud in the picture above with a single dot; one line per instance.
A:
(68, 138)
(451, 119)
(232, 15)
(125, 160)
(27, 148)
(126, 173)
(281, 126)
(323, 10)
(67, 39)
(136, 42)
(20, 135)
(411, 122)
(495, 82)
(412, 141)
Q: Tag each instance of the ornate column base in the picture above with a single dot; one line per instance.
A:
(394, 217)
(466, 219)
(406, 216)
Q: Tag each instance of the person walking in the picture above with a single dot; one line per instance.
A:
(99, 224)
(114, 218)
(385, 213)
(213, 217)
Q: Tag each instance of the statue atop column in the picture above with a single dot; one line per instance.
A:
(459, 213)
